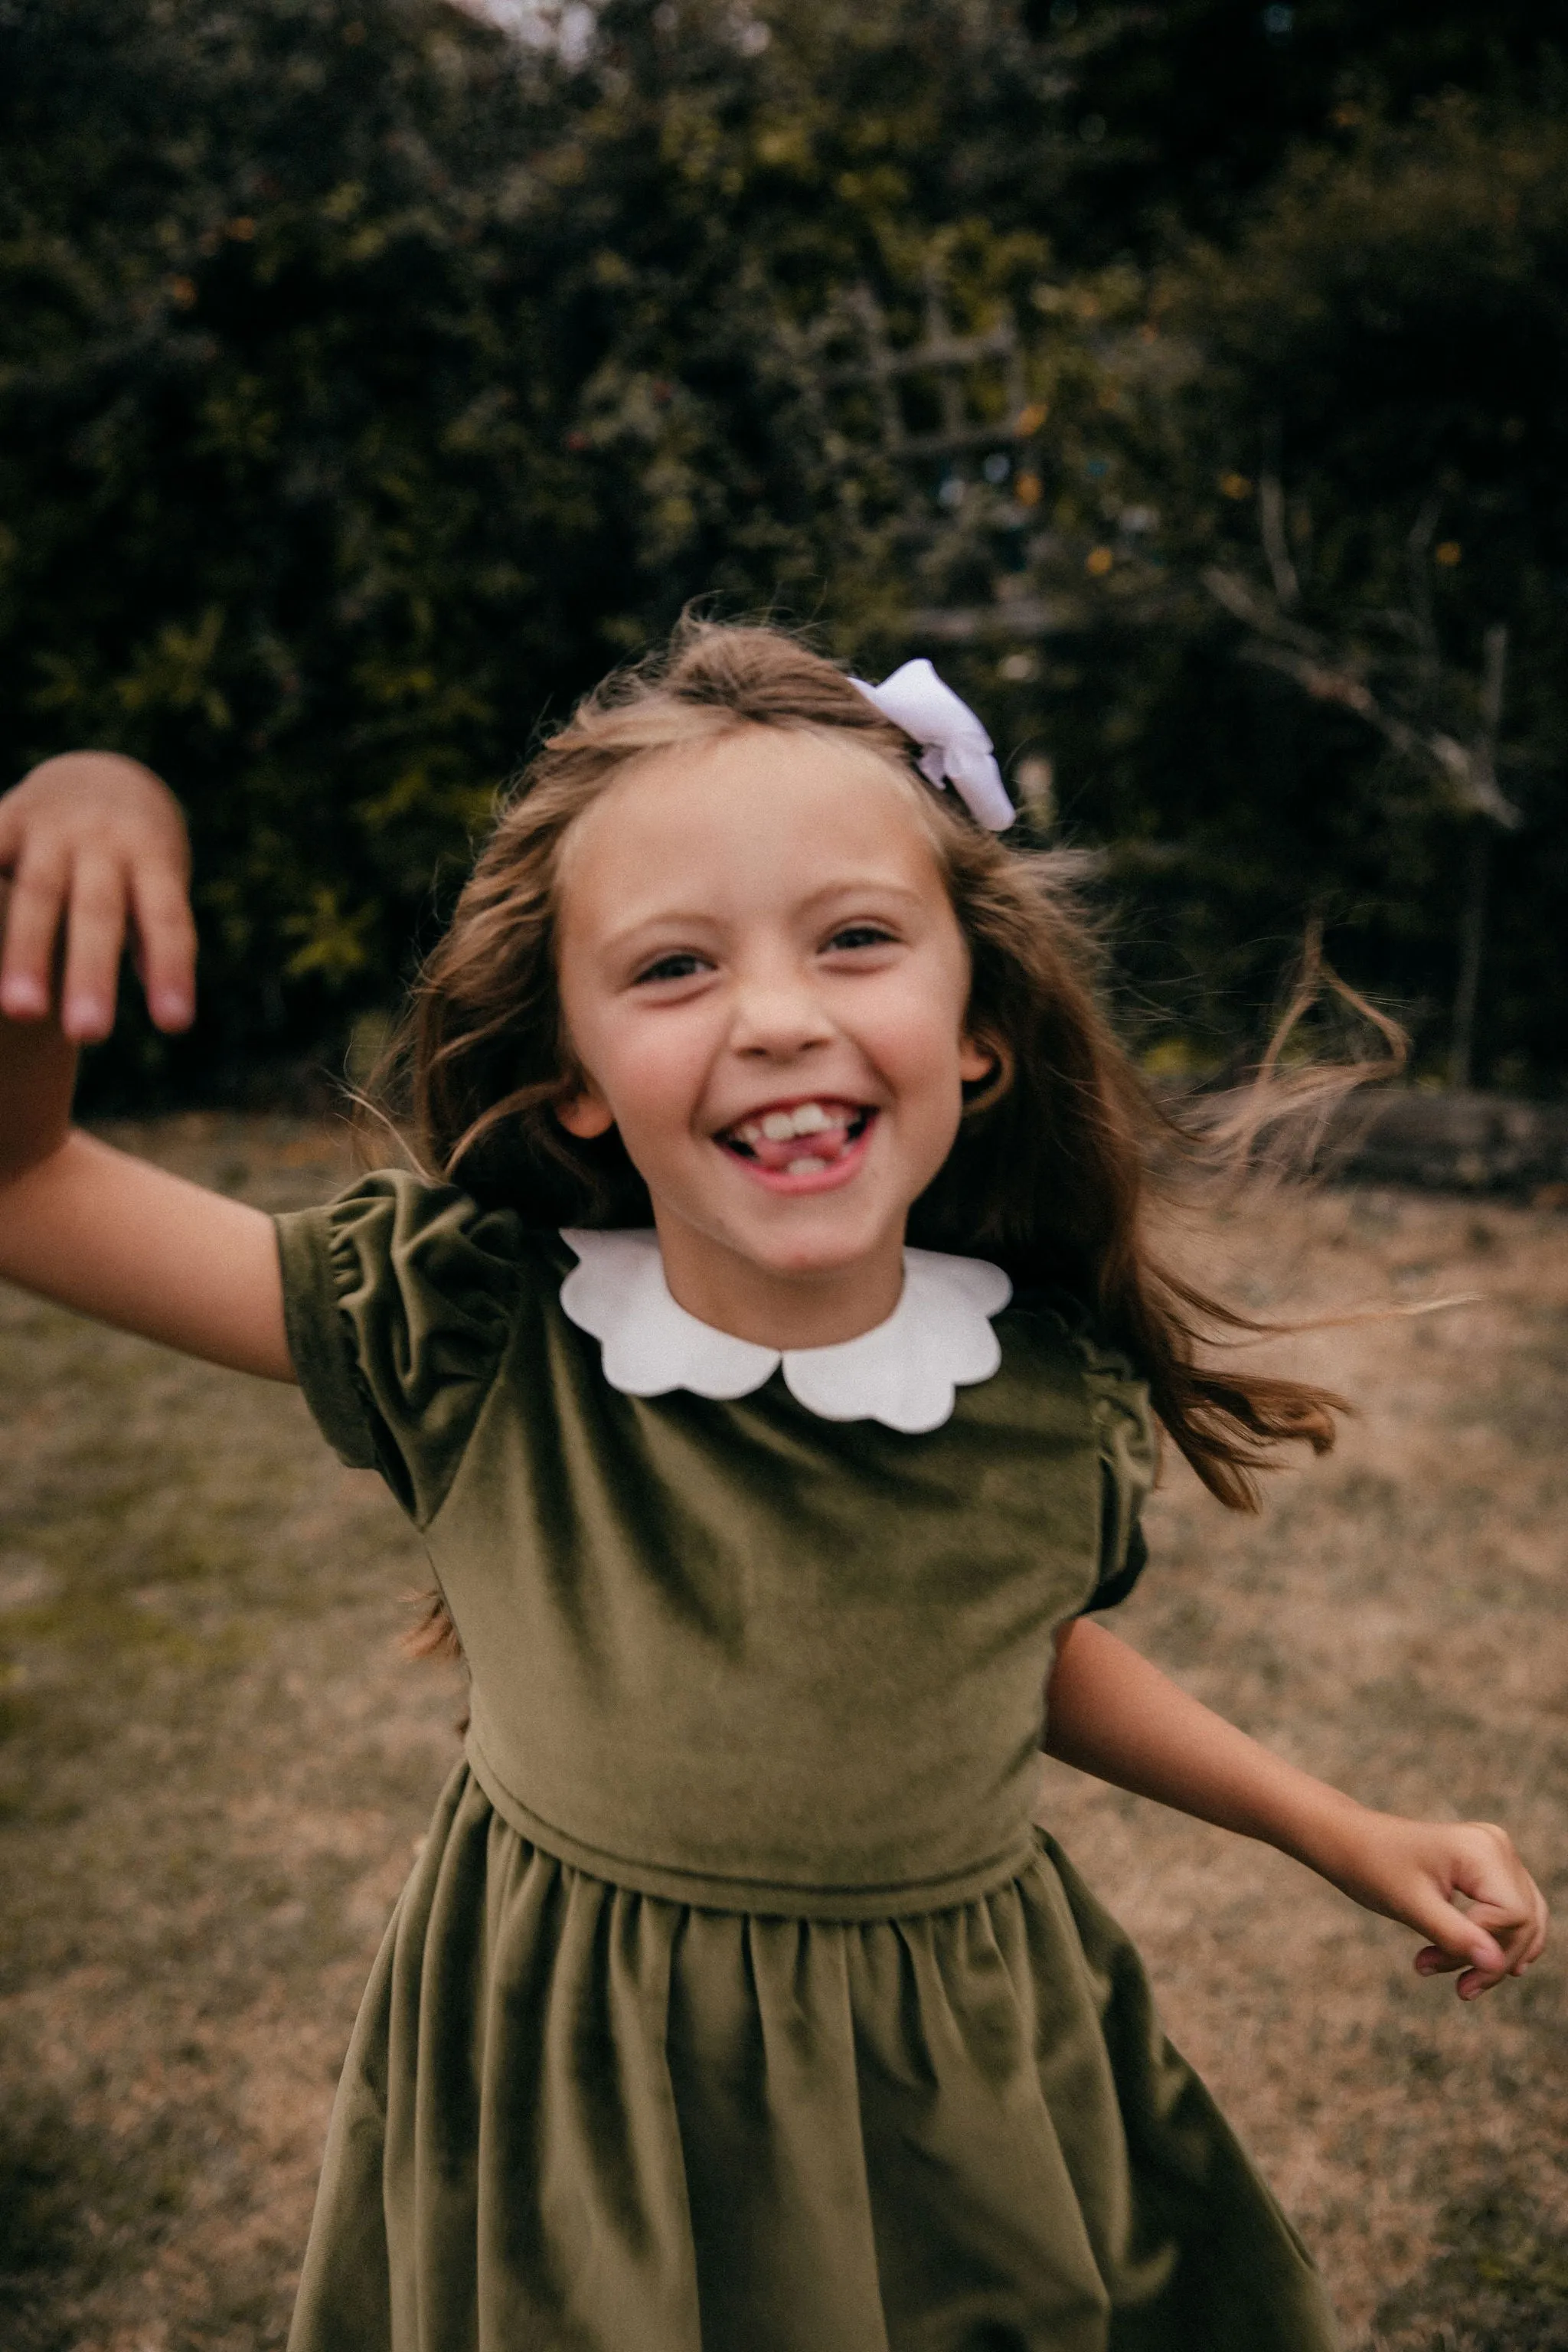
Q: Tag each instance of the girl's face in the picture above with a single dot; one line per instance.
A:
(765, 988)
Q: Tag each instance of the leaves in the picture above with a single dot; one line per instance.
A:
(369, 382)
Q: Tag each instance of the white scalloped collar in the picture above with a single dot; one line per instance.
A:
(903, 1373)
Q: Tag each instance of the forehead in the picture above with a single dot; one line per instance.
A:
(762, 810)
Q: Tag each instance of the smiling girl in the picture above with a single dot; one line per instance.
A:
(772, 1355)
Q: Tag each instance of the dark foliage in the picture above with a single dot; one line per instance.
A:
(369, 382)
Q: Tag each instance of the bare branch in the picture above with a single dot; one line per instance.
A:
(1468, 772)
(1485, 797)
(1275, 546)
(1323, 684)
(1494, 671)
(1242, 601)
(1418, 563)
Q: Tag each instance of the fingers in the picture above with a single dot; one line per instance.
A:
(95, 940)
(1460, 1947)
(1525, 1942)
(166, 942)
(11, 832)
(1478, 1969)
(1505, 1929)
(33, 915)
(89, 898)
(1504, 1897)
(94, 843)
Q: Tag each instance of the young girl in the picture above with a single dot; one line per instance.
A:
(771, 1357)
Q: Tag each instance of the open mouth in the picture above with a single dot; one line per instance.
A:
(804, 1139)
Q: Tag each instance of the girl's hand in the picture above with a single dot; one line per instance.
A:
(1111, 1713)
(1424, 1874)
(94, 845)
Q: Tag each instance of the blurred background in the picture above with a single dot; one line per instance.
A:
(1185, 378)
(1188, 379)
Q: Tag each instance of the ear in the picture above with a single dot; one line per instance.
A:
(585, 1114)
(988, 1065)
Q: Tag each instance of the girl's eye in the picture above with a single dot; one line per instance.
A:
(861, 934)
(677, 966)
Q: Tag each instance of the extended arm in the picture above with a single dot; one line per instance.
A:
(90, 845)
(1110, 1713)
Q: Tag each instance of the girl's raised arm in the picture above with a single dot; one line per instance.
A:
(92, 850)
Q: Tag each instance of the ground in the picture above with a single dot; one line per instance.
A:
(215, 1766)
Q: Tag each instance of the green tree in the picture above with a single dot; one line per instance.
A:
(287, 514)
(369, 381)
(1358, 443)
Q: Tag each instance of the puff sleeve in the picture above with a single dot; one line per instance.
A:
(1129, 1450)
(399, 1299)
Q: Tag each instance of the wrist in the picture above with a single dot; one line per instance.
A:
(1329, 1834)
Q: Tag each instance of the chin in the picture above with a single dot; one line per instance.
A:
(806, 1254)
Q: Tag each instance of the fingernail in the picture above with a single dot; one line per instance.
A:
(21, 994)
(171, 1007)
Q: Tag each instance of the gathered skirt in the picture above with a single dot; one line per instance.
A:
(577, 2118)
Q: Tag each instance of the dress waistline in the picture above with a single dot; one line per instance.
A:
(760, 1898)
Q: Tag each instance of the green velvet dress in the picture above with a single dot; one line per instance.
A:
(734, 2003)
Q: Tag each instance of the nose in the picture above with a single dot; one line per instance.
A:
(778, 1015)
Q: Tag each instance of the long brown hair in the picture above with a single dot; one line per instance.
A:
(1061, 1154)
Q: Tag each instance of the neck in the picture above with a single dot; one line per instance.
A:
(815, 1309)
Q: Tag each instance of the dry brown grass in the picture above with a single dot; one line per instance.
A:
(214, 1765)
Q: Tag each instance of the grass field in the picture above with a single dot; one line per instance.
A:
(215, 1766)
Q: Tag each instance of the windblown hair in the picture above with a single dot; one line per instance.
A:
(1061, 1155)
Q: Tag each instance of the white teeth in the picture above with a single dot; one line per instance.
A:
(810, 1119)
(810, 1167)
(784, 1126)
(779, 1126)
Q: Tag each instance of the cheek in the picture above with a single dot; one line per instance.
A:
(919, 1031)
(650, 1076)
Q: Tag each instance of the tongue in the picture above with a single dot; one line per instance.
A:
(827, 1144)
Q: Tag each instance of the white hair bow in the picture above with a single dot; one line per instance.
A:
(954, 748)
